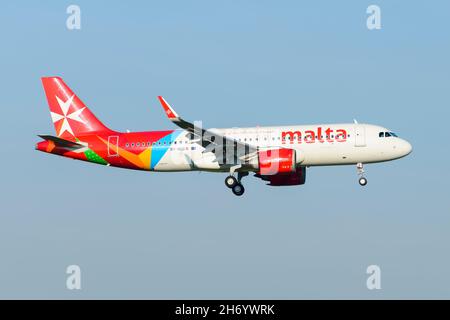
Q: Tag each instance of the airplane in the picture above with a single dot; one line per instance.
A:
(278, 155)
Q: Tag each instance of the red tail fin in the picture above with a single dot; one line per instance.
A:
(70, 116)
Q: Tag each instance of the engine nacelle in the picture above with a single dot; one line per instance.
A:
(286, 179)
(276, 161)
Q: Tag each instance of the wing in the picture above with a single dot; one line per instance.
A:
(210, 138)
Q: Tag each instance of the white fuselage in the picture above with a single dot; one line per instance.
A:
(315, 145)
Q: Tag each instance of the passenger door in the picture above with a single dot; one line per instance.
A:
(360, 136)
(113, 146)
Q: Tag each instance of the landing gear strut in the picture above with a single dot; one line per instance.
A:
(235, 184)
(360, 169)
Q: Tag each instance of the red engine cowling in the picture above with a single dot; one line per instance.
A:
(288, 179)
(278, 166)
(276, 161)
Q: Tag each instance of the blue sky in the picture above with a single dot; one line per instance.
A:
(227, 63)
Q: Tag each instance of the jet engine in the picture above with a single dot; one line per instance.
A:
(279, 167)
(276, 161)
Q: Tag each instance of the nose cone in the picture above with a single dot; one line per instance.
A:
(405, 148)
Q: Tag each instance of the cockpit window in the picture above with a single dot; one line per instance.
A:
(387, 134)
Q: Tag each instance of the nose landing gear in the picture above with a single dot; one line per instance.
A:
(362, 181)
(360, 169)
(235, 184)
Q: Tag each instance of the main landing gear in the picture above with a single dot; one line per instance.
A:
(360, 169)
(235, 184)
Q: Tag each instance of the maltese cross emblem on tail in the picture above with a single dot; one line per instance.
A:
(65, 115)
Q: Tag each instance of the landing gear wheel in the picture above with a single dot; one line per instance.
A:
(230, 181)
(238, 189)
(362, 181)
(360, 170)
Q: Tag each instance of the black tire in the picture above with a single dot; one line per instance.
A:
(362, 181)
(238, 189)
(230, 181)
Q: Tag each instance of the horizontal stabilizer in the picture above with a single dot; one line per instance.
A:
(62, 142)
